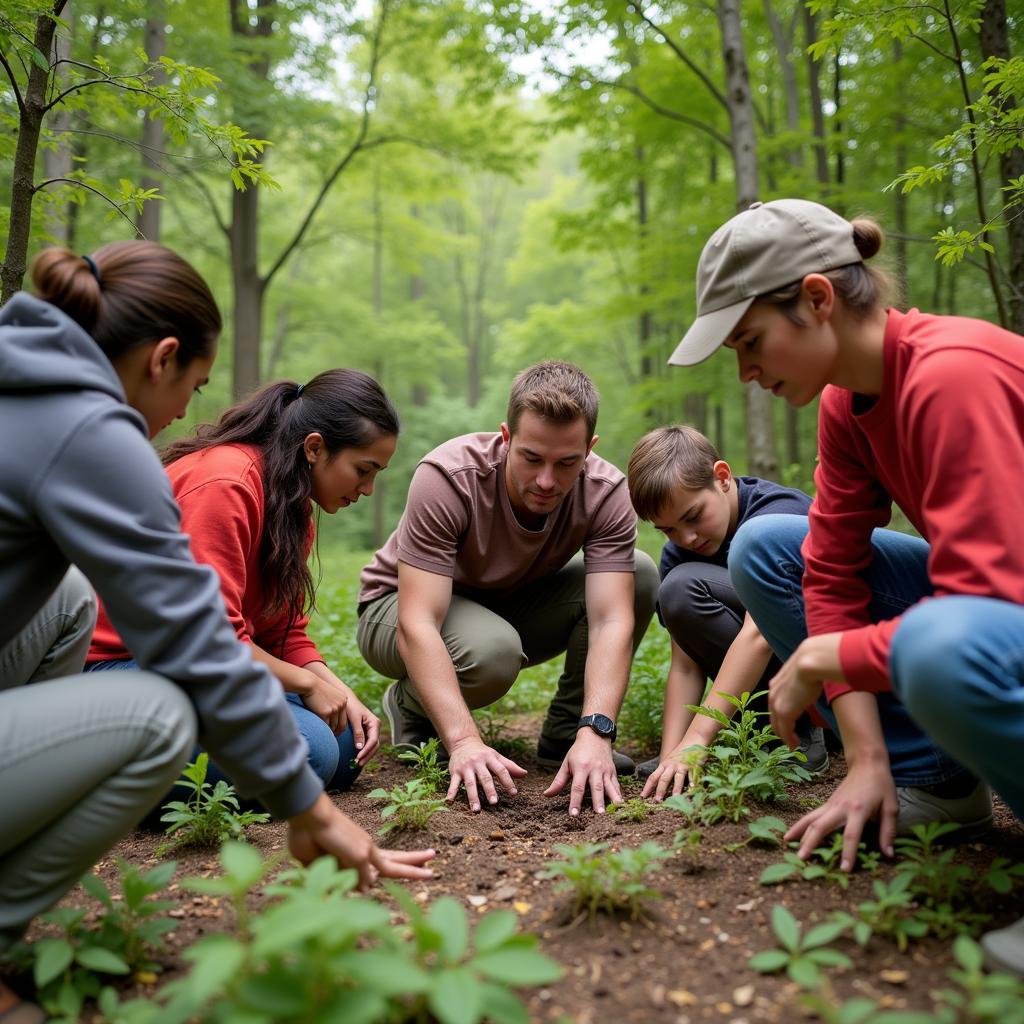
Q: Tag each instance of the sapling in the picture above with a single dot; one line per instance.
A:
(210, 814)
(411, 806)
(425, 763)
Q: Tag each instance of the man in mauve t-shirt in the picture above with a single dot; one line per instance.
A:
(514, 546)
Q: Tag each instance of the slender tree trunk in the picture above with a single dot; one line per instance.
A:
(761, 449)
(148, 221)
(784, 48)
(58, 160)
(816, 101)
(901, 200)
(995, 42)
(417, 289)
(377, 289)
(644, 324)
(31, 111)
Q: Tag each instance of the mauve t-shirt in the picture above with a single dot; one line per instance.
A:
(458, 522)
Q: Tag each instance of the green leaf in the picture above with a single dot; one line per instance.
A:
(786, 927)
(776, 873)
(968, 954)
(456, 997)
(769, 961)
(387, 972)
(104, 961)
(829, 958)
(501, 1006)
(448, 919)
(804, 972)
(39, 59)
(495, 929)
(217, 960)
(520, 967)
(52, 957)
(353, 1007)
(94, 886)
(242, 862)
(823, 934)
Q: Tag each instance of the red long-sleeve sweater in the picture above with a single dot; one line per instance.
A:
(220, 492)
(945, 442)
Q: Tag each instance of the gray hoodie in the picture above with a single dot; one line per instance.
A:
(80, 483)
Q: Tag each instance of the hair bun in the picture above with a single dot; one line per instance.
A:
(867, 236)
(67, 281)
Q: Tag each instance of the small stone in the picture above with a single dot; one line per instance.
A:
(455, 840)
(894, 977)
(521, 906)
(681, 997)
(744, 995)
(745, 908)
(476, 901)
(724, 1008)
(704, 920)
(497, 834)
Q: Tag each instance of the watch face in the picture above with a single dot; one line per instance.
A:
(603, 725)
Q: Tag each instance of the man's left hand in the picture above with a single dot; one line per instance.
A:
(588, 763)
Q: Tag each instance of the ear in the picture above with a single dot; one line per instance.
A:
(313, 446)
(722, 474)
(162, 357)
(593, 441)
(821, 295)
(506, 434)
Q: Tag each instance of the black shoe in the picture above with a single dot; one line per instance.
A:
(645, 769)
(408, 730)
(551, 755)
(812, 746)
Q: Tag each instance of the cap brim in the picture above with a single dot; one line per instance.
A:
(707, 333)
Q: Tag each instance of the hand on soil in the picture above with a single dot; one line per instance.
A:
(473, 764)
(588, 763)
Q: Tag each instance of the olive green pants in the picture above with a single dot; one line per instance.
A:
(490, 640)
(82, 756)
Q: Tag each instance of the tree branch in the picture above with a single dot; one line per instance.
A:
(81, 184)
(204, 190)
(14, 83)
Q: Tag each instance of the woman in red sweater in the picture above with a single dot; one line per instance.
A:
(246, 487)
(924, 411)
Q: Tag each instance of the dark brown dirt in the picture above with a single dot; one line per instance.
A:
(683, 962)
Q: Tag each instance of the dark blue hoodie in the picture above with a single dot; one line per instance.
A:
(80, 483)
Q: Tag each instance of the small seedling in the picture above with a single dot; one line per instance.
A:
(801, 956)
(686, 844)
(410, 806)
(633, 809)
(1002, 875)
(983, 998)
(494, 731)
(424, 762)
(209, 816)
(765, 831)
(71, 968)
(606, 882)
(890, 914)
(823, 864)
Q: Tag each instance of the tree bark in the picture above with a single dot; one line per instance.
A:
(762, 454)
(31, 108)
(995, 42)
(58, 160)
(816, 101)
(155, 44)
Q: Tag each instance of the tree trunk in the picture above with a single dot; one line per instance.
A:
(248, 289)
(901, 200)
(58, 160)
(762, 458)
(644, 324)
(155, 44)
(784, 48)
(995, 42)
(377, 289)
(23, 174)
(816, 101)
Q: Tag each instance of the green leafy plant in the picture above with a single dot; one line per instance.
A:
(890, 914)
(633, 809)
(424, 761)
(494, 731)
(823, 864)
(210, 814)
(641, 716)
(982, 998)
(801, 955)
(1002, 875)
(766, 831)
(320, 952)
(410, 806)
(70, 968)
(605, 881)
(686, 845)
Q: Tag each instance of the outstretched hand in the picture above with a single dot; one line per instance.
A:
(324, 829)
(588, 763)
(475, 765)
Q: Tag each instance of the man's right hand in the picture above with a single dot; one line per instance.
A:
(324, 829)
(472, 764)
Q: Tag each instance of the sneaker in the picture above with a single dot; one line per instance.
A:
(408, 730)
(973, 813)
(645, 769)
(812, 746)
(1004, 948)
(551, 755)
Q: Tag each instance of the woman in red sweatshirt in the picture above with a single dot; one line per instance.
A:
(918, 644)
(246, 487)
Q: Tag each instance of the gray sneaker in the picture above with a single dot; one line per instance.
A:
(1004, 948)
(408, 730)
(973, 813)
(812, 746)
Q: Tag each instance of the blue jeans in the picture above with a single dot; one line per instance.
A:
(331, 757)
(766, 566)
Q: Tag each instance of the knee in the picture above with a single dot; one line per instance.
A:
(645, 588)
(764, 551)
(324, 747)
(679, 595)
(491, 663)
(78, 603)
(173, 726)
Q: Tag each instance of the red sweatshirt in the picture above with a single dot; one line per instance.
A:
(945, 442)
(220, 492)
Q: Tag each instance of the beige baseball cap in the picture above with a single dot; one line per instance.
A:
(761, 249)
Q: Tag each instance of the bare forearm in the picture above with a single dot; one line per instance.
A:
(683, 687)
(432, 673)
(609, 655)
(860, 727)
(293, 678)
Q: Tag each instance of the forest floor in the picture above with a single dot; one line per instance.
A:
(682, 961)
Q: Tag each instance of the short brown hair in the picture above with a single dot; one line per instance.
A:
(560, 392)
(665, 459)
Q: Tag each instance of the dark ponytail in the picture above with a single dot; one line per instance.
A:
(128, 294)
(348, 408)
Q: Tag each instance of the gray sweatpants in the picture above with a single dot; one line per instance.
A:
(82, 756)
(489, 643)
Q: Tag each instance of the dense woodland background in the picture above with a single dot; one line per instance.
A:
(443, 191)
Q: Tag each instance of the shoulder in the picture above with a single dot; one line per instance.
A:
(223, 466)
(762, 497)
(602, 472)
(474, 454)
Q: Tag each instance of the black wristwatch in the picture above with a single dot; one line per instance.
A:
(601, 724)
